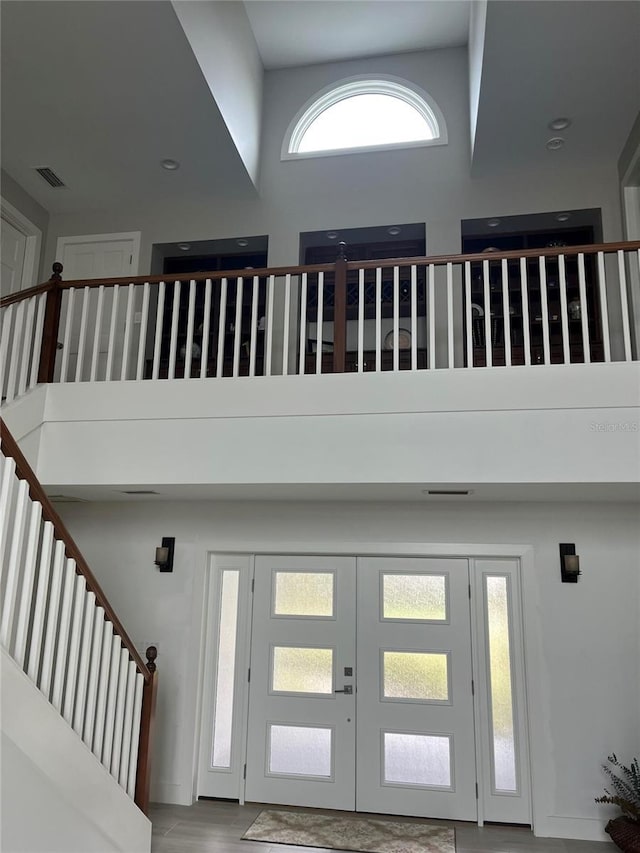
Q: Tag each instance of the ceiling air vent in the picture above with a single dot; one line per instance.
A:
(50, 176)
(139, 492)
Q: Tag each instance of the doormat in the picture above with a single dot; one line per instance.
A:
(374, 835)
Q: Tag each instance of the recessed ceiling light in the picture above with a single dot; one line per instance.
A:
(242, 242)
(559, 124)
(332, 235)
(493, 223)
(562, 217)
(170, 165)
(555, 143)
(184, 246)
(394, 230)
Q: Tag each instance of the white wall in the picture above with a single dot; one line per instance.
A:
(583, 640)
(431, 185)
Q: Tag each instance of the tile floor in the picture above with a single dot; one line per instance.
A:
(217, 826)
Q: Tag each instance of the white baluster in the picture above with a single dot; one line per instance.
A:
(112, 696)
(28, 574)
(53, 613)
(584, 310)
(303, 325)
(622, 281)
(7, 317)
(83, 333)
(60, 663)
(6, 493)
(206, 328)
(604, 312)
(74, 649)
(27, 345)
(94, 676)
(83, 668)
(37, 341)
(125, 754)
(450, 342)
(97, 335)
(287, 324)
(268, 345)
(13, 575)
(431, 316)
(564, 313)
(222, 328)
(360, 321)
(320, 323)
(135, 735)
(488, 340)
(128, 326)
(118, 720)
(40, 606)
(175, 317)
(468, 313)
(191, 313)
(254, 327)
(237, 330)
(414, 317)
(157, 341)
(378, 319)
(112, 331)
(526, 326)
(15, 349)
(68, 328)
(396, 318)
(103, 688)
(506, 309)
(544, 310)
(142, 332)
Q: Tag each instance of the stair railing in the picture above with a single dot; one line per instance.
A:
(59, 627)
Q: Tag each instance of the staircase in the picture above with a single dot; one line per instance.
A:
(78, 699)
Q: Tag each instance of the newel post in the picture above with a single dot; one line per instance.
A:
(50, 328)
(147, 717)
(340, 311)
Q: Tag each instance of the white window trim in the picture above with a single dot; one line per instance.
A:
(363, 84)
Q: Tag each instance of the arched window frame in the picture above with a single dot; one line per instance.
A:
(372, 84)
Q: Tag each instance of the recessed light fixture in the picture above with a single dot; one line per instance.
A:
(559, 123)
(555, 143)
(242, 242)
(394, 230)
(170, 165)
(456, 492)
(562, 217)
(332, 235)
(184, 247)
(493, 223)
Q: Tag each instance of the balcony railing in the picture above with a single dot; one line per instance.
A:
(554, 306)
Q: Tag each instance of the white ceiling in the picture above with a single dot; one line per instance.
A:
(305, 32)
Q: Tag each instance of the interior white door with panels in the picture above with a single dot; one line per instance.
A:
(301, 734)
(12, 257)
(415, 730)
(84, 258)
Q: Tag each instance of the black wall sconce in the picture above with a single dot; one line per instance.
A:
(569, 563)
(164, 554)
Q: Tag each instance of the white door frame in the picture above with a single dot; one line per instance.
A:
(134, 236)
(33, 234)
(538, 735)
(630, 193)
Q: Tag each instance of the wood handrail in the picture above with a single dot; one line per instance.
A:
(629, 245)
(37, 493)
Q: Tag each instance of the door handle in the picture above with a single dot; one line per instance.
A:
(348, 690)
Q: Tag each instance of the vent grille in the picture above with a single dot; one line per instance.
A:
(50, 176)
(139, 492)
(449, 492)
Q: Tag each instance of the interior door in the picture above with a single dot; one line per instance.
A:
(301, 738)
(415, 722)
(12, 256)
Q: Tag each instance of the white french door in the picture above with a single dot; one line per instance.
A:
(389, 730)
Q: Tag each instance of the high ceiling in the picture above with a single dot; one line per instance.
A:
(103, 91)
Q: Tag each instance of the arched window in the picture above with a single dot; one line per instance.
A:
(365, 113)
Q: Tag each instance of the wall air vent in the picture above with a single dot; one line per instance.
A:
(50, 176)
(139, 492)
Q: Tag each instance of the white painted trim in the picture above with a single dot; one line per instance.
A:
(33, 244)
(134, 236)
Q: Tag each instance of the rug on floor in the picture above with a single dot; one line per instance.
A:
(373, 835)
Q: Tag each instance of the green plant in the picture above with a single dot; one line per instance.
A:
(626, 787)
